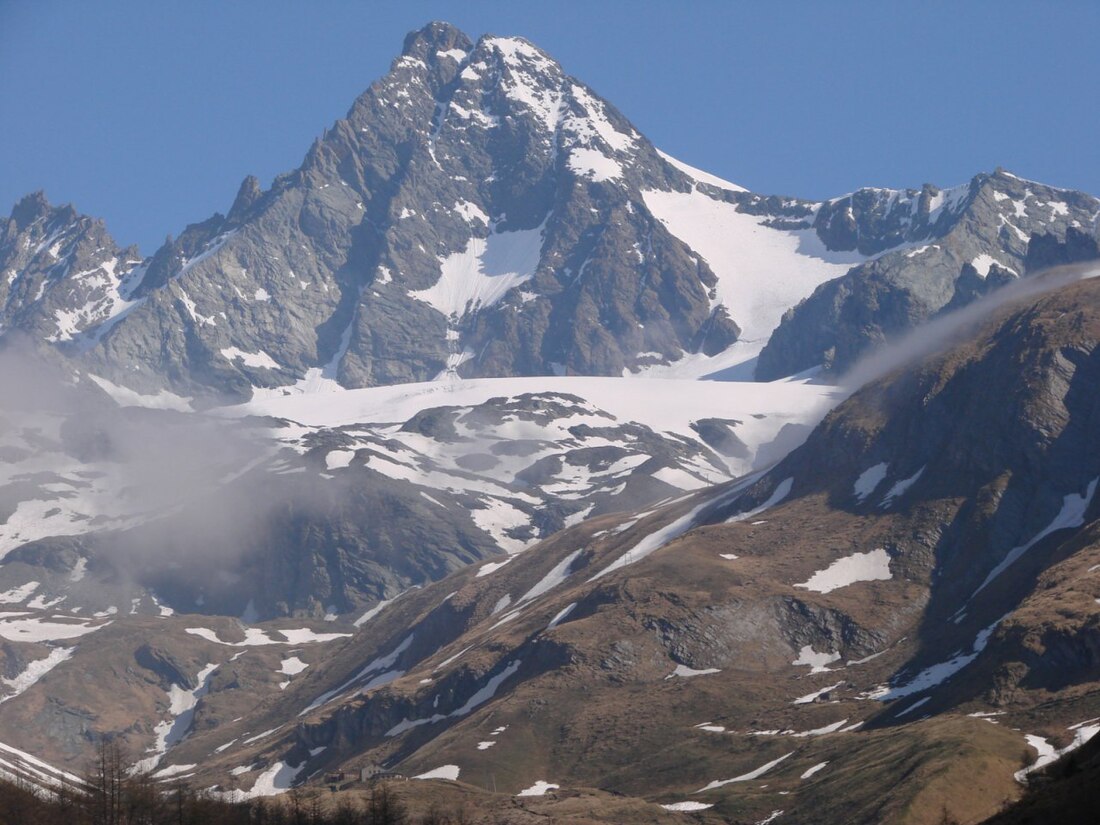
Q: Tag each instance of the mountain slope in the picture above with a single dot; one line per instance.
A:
(761, 629)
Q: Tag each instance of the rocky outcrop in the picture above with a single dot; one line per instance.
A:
(958, 245)
(61, 273)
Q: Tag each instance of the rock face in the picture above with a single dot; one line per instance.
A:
(958, 245)
(60, 272)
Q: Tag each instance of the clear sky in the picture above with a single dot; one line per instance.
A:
(149, 113)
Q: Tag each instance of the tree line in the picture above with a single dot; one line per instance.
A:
(112, 795)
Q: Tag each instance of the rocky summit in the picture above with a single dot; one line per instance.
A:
(494, 448)
(481, 213)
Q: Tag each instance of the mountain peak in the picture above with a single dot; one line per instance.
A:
(250, 191)
(30, 208)
(435, 37)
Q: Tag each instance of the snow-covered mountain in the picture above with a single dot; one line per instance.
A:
(405, 460)
(61, 273)
(481, 213)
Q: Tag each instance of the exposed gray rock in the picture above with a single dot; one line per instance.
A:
(956, 240)
(1047, 250)
(60, 272)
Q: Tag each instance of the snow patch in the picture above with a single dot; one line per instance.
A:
(700, 176)
(480, 697)
(292, 666)
(538, 789)
(913, 706)
(125, 397)
(254, 636)
(756, 774)
(899, 489)
(687, 806)
(492, 567)
(18, 595)
(381, 663)
(448, 772)
(374, 611)
(868, 480)
(781, 491)
(561, 615)
(594, 165)
(557, 575)
(181, 708)
(920, 250)
(833, 728)
(858, 567)
(817, 662)
(762, 271)
(338, 459)
(686, 672)
(471, 212)
(275, 780)
(256, 360)
(810, 697)
(173, 770)
(262, 735)
(982, 264)
(35, 671)
(1072, 514)
(811, 771)
(673, 530)
(1047, 753)
(481, 274)
(43, 630)
(936, 674)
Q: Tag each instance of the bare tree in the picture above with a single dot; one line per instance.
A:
(384, 808)
(105, 778)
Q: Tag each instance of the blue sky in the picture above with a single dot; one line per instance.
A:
(149, 114)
